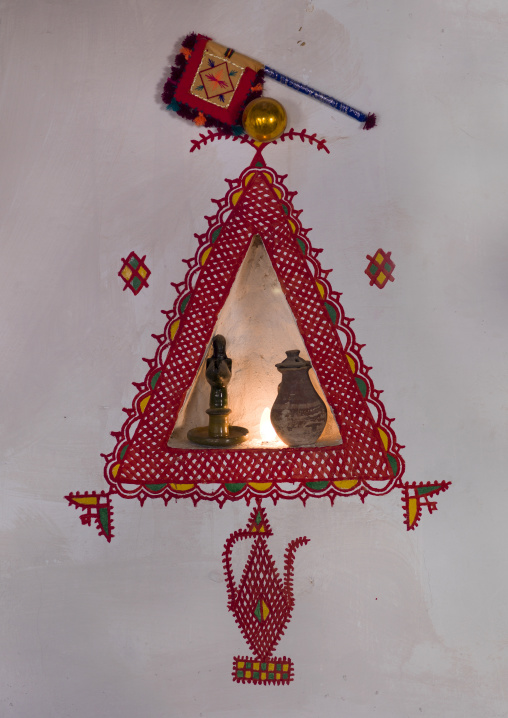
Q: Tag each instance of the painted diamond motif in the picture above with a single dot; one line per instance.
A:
(134, 273)
(261, 611)
(380, 268)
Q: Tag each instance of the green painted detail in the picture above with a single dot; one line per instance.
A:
(422, 490)
(317, 485)
(124, 449)
(248, 665)
(136, 282)
(388, 267)
(361, 385)
(255, 675)
(286, 210)
(278, 667)
(155, 487)
(302, 245)
(155, 379)
(285, 676)
(239, 674)
(216, 234)
(271, 676)
(257, 612)
(372, 269)
(184, 302)
(234, 488)
(332, 312)
(263, 666)
(393, 463)
(104, 520)
(134, 262)
(258, 518)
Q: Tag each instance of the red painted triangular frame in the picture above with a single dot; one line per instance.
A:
(142, 465)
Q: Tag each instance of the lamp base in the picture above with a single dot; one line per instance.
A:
(199, 435)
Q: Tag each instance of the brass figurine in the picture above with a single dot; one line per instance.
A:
(218, 375)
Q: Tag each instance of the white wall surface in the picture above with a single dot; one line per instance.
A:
(387, 623)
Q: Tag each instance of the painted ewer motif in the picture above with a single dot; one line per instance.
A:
(298, 414)
(262, 602)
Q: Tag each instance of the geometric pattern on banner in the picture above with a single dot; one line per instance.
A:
(261, 601)
(368, 461)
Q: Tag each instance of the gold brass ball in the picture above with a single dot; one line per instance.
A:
(264, 119)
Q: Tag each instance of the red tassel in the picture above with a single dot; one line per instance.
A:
(370, 122)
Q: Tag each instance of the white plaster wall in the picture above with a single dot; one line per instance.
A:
(387, 623)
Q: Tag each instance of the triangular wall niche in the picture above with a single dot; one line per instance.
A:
(259, 327)
(368, 461)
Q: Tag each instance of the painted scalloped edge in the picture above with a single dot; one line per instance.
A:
(413, 511)
(167, 491)
(93, 510)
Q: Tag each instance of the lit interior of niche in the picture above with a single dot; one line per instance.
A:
(259, 328)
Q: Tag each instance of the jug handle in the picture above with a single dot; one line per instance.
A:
(289, 561)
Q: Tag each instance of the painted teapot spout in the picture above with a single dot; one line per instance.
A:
(289, 562)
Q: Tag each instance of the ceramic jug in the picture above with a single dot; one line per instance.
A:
(298, 414)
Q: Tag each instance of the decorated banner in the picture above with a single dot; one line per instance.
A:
(212, 84)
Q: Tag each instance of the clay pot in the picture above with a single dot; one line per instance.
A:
(298, 414)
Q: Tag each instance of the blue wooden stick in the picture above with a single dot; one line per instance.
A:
(369, 120)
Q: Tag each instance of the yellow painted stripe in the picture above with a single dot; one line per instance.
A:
(205, 255)
(236, 197)
(321, 289)
(268, 177)
(174, 328)
(277, 192)
(384, 438)
(87, 501)
(292, 225)
(144, 403)
(248, 178)
(260, 487)
(412, 510)
(266, 610)
(351, 363)
(345, 483)
(114, 470)
(182, 487)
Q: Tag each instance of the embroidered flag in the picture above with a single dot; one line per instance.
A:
(211, 84)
